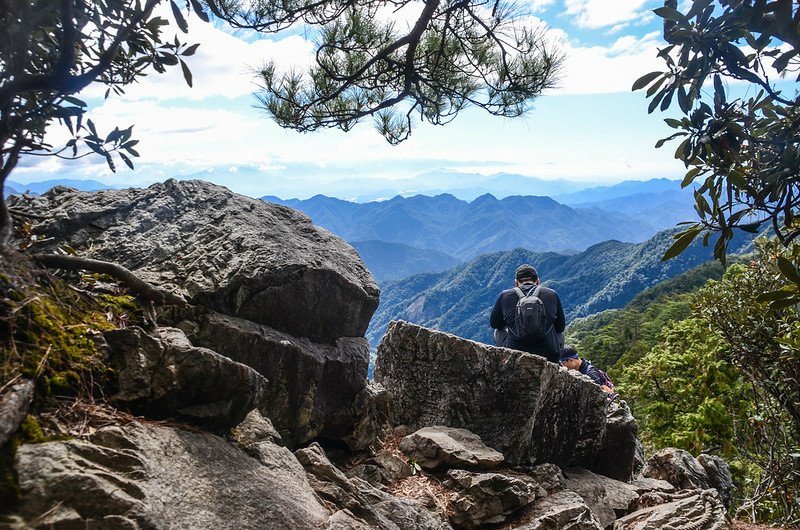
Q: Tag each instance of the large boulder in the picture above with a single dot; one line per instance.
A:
(529, 409)
(237, 255)
(719, 476)
(316, 390)
(437, 447)
(148, 476)
(164, 376)
(678, 467)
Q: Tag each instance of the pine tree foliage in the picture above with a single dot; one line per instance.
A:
(455, 54)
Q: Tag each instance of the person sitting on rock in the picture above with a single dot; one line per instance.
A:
(571, 360)
(548, 340)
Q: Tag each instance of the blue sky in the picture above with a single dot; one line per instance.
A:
(592, 128)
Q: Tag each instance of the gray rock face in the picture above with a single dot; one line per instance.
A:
(562, 511)
(520, 404)
(719, 476)
(695, 509)
(678, 467)
(438, 446)
(314, 386)
(488, 498)
(15, 403)
(145, 476)
(359, 505)
(607, 498)
(166, 377)
(239, 256)
(622, 453)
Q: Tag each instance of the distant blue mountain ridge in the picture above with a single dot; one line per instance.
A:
(465, 229)
(37, 188)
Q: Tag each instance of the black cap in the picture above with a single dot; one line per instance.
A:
(525, 272)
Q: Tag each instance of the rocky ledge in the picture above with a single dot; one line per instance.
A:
(255, 412)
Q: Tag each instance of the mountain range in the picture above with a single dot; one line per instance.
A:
(37, 188)
(466, 229)
(607, 275)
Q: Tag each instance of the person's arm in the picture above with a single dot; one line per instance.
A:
(588, 368)
(497, 320)
(561, 322)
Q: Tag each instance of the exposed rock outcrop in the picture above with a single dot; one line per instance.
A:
(438, 447)
(357, 503)
(606, 497)
(239, 256)
(314, 386)
(266, 287)
(561, 511)
(719, 476)
(164, 376)
(520, 404)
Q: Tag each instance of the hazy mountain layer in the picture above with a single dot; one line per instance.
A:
(466, 229)
(387, 261)
(607, 275)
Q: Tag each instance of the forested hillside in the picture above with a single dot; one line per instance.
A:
(605, 276)
(627, 334)
(708, 367)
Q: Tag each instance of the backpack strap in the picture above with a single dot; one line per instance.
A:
(522, 295)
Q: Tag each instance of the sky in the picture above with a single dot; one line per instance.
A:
(591, 128)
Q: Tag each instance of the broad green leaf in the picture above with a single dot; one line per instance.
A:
(645, 80)
(176, 12)
(187, 74)
(681, 243)
(788, 269)
(670, 14)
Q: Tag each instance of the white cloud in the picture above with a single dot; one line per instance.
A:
(600, 13)
(537, 6)
(597, 69)
(224, 64)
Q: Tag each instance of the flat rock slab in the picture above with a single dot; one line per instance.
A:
(147, 476)
(607, 498)
(695, 509)
(438, 446)
(240, 256)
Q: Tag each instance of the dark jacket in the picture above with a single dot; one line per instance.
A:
(503, 316)
(597, 375)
